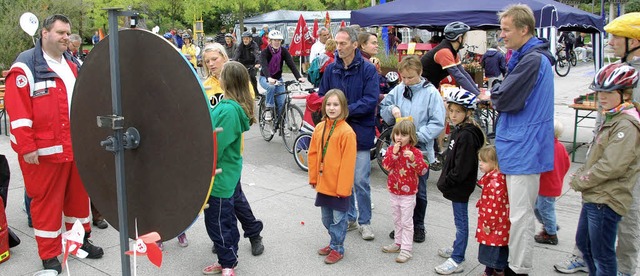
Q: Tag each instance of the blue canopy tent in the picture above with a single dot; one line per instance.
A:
(435, 14)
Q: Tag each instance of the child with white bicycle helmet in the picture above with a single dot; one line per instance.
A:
(608, 176)
(459, 174)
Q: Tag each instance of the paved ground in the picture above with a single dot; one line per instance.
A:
(280, 196)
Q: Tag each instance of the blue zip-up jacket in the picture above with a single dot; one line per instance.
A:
(493, 63)
(361, 85)
(524, 132)
(426, 109)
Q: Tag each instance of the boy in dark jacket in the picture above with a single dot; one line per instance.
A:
(494, 64)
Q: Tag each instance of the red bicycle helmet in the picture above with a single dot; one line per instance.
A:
(613, 77)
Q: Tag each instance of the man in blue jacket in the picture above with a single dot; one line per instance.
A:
(494, 64)
(358, 80)
(524, 132)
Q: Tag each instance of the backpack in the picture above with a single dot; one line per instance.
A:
(572, 38)
(313, 74)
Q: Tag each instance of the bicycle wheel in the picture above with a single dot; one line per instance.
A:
(562, 67)
(301, 150)
(574, 60)
(266, 127)
(291, 126)
(384, 141)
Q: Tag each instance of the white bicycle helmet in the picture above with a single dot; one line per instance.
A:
(463, 98)
(275, 34)
(392, 76)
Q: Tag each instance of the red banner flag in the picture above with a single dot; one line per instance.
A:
(315, 28)
(302, 41)
(327, 21)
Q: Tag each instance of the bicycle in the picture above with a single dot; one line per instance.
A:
(287, 125)
(563, 65)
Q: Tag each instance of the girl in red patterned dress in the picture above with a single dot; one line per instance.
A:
(405, 163)
(493, 215)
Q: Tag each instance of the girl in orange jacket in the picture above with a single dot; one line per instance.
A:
(332, 162)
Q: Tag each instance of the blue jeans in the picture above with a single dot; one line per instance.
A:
(336, 224)
(271, 91)
(420, 211)
(596, 237)
(461, 219)
(546, 213)
(361, 189)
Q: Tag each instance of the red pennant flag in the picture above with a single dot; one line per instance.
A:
(302, 40)
(342, 24)
(327, 21)
(146, 245)
(315, 28)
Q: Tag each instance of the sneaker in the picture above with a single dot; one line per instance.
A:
(324, 251)
(53, 264)
(93, 252)
(182, 240)
(622, 274)
(367, 232)
(449, 267)
(404, 256)
(228, 272)
(545, 238)
(419, 235)
(392, 248)
(571, 265)
(212, 269)
(445, 252)
(100, 223)
(353, 225)
(256, 245)
(267, 115)
(333, 257)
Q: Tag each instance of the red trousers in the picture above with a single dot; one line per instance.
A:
(54, 189)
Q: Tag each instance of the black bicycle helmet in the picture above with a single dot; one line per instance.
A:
(454, 30)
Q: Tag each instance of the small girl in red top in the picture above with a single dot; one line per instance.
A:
(493, 215)
(550, 188)
(405, 163)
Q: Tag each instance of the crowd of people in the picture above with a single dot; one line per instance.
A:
(523, 171)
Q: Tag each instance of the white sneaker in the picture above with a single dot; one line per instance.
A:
(367, 232)
(571, 265)
(267, 115)
(353, 225)
(449, 267)
(445, 252)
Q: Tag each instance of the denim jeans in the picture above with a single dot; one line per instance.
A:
(596, 237)
(336, 224)
(271, 91)
(461, 219)
(361, 190)
(420, 211)
(546, 213)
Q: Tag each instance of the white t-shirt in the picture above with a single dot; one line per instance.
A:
(61, 67)
(316, 50)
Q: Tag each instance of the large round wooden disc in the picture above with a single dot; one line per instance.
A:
(169, 175)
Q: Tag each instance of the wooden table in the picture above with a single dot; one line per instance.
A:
(583, 111)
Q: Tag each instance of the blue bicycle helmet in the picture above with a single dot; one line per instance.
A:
(167, 36)
(455, 29)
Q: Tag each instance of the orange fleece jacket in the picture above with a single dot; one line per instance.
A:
(339, 161)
